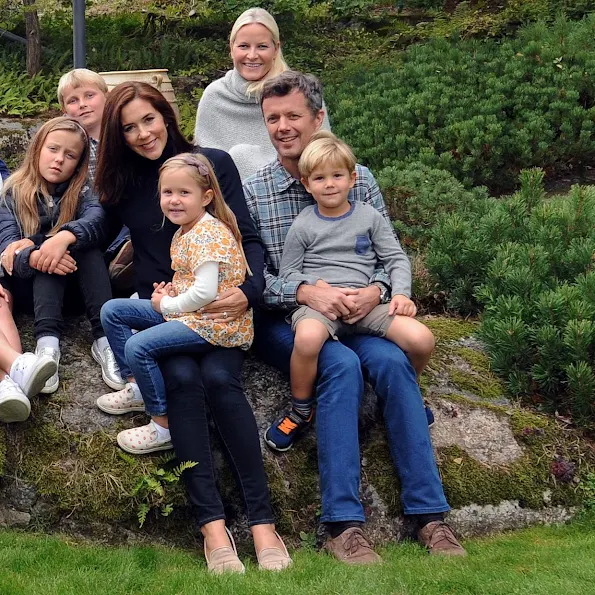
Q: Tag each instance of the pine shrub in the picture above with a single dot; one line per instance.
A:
(417, 195)
(482, 110)
(529, 262)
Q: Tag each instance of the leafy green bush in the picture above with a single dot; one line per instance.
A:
(481, 110)
(529, 261)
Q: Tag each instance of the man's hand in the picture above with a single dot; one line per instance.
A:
(366, 299)
(402, 306)
(7, 257)
(53, 250)
(333, 302)
(227, 307)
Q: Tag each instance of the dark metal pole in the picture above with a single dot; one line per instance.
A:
(80, 42)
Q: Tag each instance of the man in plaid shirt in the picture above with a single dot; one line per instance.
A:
(292, 109)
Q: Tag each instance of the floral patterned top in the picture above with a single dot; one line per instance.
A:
(211, 241)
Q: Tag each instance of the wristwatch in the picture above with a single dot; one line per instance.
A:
(384, 292)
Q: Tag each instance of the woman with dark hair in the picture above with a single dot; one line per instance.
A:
(139, 133)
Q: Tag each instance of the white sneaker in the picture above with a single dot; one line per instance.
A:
(143, 440)
(123, 401)
(31, 372)
(14, 405)
(52, 384)
(110, 372)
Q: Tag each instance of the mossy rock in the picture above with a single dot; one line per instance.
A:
(67, 464)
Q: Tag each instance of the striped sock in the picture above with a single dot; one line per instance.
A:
(303, 408)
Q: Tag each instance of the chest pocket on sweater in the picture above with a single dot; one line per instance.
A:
(362, 244)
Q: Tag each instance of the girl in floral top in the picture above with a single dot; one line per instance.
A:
(208, 259)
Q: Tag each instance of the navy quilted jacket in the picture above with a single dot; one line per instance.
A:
(89, 226)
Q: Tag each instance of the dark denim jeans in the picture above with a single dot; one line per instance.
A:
(342, 366)
(137, 354)
(48, 294)
(213, 382)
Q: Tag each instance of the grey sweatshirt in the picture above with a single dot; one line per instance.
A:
(344, 251)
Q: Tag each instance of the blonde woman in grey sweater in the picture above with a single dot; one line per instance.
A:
(229, 116)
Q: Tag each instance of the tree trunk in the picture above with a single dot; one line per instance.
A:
(33, 38)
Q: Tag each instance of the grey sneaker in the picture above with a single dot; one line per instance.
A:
(31, 372)
(110, 372)
(53, 382)
(14, 405)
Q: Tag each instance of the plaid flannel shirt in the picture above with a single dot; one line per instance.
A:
(275, 198)
(93, 146)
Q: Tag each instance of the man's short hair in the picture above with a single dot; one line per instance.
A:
(325, 148)
(289, 81)
(79, 77)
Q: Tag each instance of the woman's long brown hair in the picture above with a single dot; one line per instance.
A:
(26, 183)
(114, 172)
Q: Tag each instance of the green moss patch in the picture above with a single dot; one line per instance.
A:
(467, 481)
(450, 329)
(79, 473)
(485, 387)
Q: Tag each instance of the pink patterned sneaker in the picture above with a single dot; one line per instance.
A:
(120, 402)
(143, 440)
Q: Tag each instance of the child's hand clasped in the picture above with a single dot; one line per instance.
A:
(160, 290)
(401, 305)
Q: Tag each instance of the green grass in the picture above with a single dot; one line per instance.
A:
(542, 560)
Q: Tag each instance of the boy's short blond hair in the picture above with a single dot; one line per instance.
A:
(324, 147)
(78, 78)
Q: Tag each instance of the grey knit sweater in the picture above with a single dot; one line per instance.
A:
(232, 121)
(344, 251)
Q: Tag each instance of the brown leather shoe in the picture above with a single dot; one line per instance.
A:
(438, 537)
(120, 269)
(352, 547)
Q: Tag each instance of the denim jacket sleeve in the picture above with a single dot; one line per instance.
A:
(90, 226)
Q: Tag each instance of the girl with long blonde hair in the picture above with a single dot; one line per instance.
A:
(52, 228)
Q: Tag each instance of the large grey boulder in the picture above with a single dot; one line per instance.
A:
(502, 466)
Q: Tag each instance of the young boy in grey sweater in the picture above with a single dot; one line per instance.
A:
(339, 243)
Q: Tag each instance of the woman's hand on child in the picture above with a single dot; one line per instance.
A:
(7, 257)
(227, 307)
(401, 305)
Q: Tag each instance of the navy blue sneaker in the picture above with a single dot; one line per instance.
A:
(429, 416)
(283, 432)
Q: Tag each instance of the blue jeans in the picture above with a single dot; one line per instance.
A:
(341, 369)
(137, 354)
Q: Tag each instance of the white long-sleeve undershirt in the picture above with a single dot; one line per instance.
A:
(202, 292)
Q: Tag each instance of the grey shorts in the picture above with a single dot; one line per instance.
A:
(377, 322)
